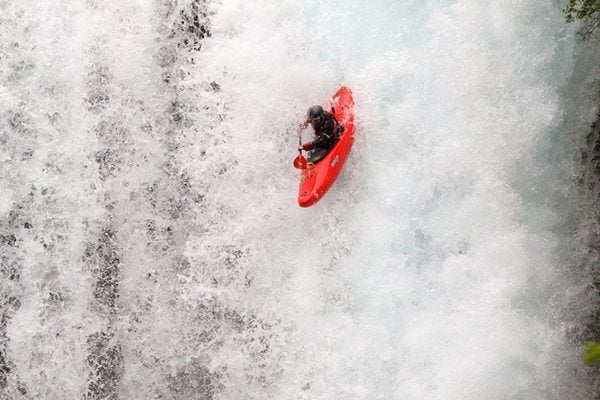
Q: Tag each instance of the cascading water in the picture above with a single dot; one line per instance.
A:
(151, 244)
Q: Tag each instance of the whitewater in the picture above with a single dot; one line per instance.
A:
(151, 246)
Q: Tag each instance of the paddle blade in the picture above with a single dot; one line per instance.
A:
(300, 162)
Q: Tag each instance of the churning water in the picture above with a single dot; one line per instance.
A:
(152, 248)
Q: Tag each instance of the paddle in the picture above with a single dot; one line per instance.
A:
(300, 162)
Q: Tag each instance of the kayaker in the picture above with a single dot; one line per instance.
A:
(327, 133)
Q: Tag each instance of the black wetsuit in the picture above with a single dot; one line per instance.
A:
(327, 134)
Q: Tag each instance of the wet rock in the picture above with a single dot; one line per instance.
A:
(105, 361)
(9, 239)
(194, 381)
(98, 87)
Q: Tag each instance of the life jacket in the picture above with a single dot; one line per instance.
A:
(329, 128)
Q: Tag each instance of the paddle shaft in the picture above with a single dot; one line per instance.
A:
(300, 162)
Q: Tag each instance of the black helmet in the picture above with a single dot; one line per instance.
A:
(316, 115)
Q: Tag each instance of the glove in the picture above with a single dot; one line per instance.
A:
(306, 146)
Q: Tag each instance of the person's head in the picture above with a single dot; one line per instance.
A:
(316, 116)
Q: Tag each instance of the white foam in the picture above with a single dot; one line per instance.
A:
(437, 267)
(412, 278)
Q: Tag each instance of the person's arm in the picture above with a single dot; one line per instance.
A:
(303, 125)
(338, 126)
(326, 133)
(322, 141)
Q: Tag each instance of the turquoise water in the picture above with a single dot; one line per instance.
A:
(158, 249)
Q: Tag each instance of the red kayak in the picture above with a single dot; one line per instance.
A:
(316, 179)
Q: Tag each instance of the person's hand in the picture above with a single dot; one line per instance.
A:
(300, 147)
